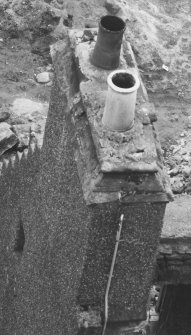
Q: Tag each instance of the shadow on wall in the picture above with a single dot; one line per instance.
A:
(175, 310)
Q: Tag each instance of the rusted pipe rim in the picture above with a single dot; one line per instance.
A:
(112, 24)
(123, 81)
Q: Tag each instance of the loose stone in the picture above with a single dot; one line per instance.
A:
(186, 158)
(7, 138)
(4, 116)
(177, 186)
(174, 171)
(112, 6)
(43, 77)
(178, 158)
(186, 171)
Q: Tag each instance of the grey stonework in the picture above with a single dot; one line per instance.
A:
(58, 230)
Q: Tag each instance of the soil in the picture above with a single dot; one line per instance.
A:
(160, 34)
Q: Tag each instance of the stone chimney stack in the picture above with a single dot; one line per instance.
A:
(121, 173)
(99, 202)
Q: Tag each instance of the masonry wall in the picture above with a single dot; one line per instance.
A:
(134, 263)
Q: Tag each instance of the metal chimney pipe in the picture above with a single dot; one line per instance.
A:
(106, 53)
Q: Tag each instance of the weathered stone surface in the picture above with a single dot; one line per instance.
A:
(7, 138)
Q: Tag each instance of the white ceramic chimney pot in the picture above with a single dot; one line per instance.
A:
(119, 112)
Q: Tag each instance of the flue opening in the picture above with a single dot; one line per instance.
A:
(112, 23)
(123, 80)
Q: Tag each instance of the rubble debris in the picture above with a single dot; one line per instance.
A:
(178, 162)
(7, 138)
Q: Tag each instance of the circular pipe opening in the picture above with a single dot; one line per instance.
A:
(112, 23)
(123, 80)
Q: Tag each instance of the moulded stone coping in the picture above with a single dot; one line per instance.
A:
(135, 149)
